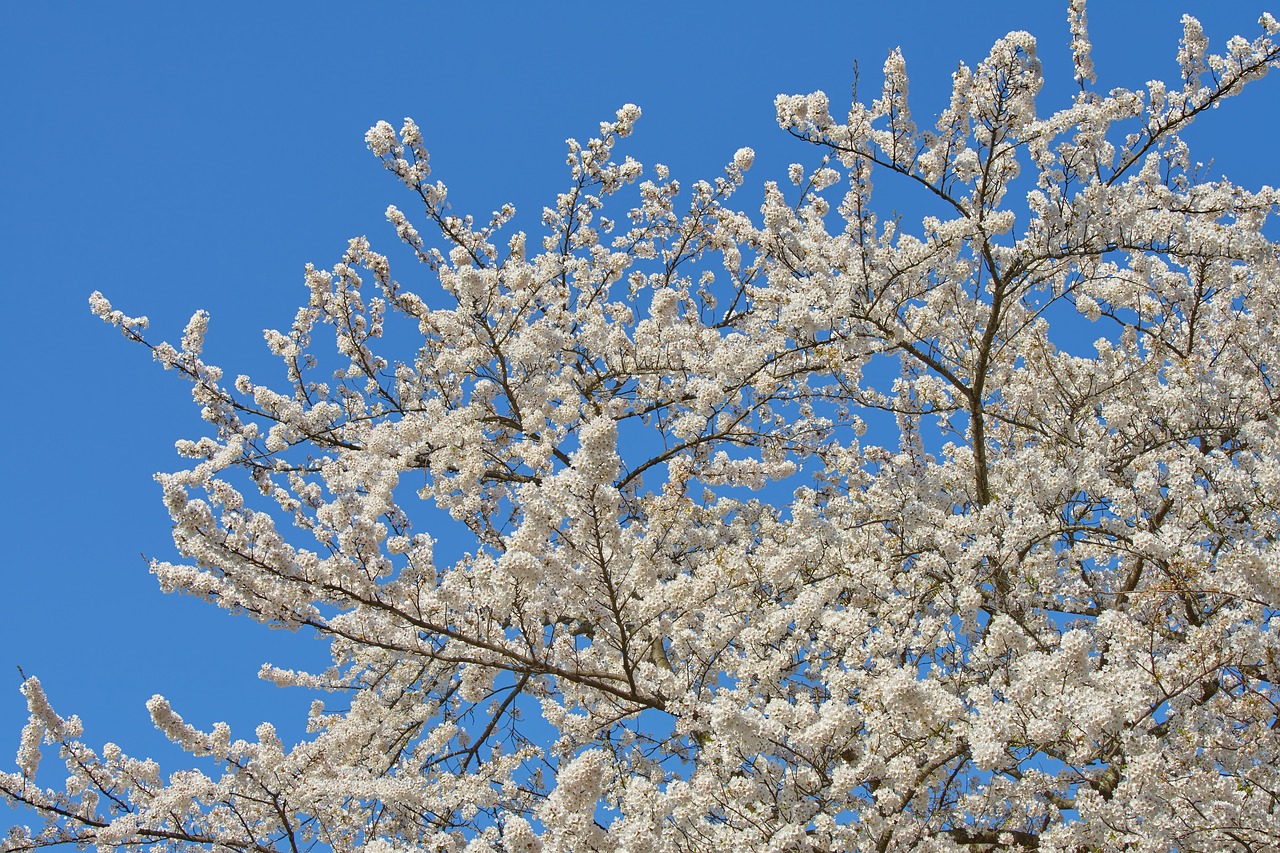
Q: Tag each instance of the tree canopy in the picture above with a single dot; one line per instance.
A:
(811, 528)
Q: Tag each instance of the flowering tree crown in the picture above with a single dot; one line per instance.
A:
(1039, 611)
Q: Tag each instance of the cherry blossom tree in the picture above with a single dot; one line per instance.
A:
(703, 607)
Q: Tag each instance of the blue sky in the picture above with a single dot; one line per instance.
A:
(179, 156)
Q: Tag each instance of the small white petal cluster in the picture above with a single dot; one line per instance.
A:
(609, 559)
(1081, 47)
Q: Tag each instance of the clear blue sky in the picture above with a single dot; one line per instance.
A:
(180, 155)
